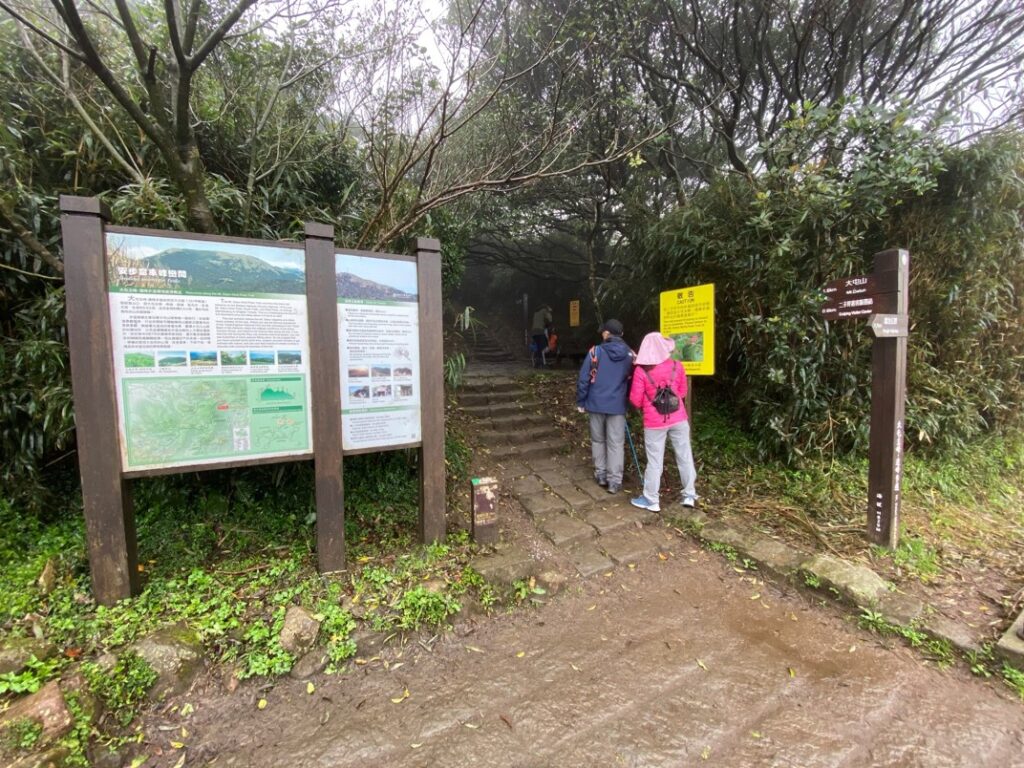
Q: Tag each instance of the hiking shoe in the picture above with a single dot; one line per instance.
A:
(601, 481)
(644, 503)
(614, 487)
(689, 502)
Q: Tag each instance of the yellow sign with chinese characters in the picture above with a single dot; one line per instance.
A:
(574, 313)
(688, 316)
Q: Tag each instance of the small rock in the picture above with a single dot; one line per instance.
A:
(176, 655)
(34, 622)
(953, 632)
(469, 609)
(104, 757)
(48, 578)
(860, 585)
(436, 586)
(46, 707)
(552, 581)
(90, 706)
(18, 651)
(368, 643)
(55, 757)
(312, 663)
(231, 679)
(299, 631)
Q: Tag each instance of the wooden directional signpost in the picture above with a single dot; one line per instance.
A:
(883, 298)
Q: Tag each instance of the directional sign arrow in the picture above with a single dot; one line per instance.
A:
(847, 287)
(844, 309)
(889, 326)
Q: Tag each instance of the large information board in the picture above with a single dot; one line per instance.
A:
(379, 351)
(200, 352)
(688, 316)
(211, 350)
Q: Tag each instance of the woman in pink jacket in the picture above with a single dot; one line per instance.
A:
(656, 369)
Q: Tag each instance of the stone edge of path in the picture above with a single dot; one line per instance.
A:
(851, 583)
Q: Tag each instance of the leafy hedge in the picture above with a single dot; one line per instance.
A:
(856, 182)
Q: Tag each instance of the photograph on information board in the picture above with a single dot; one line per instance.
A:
(210, 350)
(378, 338)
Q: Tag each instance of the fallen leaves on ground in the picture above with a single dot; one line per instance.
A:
(403, 697)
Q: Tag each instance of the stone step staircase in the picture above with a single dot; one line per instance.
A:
(484, 346)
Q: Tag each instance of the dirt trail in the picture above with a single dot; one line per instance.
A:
(673, 663)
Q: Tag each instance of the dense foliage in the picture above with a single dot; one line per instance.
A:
(50, 147)
(856, 182)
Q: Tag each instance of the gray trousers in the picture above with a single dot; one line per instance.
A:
(607, 438)
(654, 443)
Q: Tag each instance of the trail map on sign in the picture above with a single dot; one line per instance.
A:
(197, 419)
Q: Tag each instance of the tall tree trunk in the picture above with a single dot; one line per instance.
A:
(190, 179)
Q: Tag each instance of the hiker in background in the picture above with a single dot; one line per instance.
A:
(541, 319)
(658, 389)
(601, 392)
(551, 348)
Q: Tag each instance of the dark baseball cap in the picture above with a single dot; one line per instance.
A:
(614, 327)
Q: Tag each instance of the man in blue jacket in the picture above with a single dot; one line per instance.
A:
(601, 391)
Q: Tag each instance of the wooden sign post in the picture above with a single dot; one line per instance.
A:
(883, 298)
(888, 396)
(106, 497)
(192, 352)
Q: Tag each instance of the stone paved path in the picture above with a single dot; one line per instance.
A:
(551, 483)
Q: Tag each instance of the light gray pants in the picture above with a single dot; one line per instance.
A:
(654, 442)
(607, 438)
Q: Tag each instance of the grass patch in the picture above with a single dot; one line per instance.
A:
(1014, 678)
(938, 650)
(20, 735)
(957, 511)
(227, 552)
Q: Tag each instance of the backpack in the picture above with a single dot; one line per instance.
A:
(665, 400)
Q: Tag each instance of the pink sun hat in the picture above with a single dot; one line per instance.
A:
(654, 349)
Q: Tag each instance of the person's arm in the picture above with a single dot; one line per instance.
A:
(583, 382)
(638, 388)
(681, 383)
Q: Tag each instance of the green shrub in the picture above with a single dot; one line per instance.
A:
(854, 182)
(123, 687)
(421, 607)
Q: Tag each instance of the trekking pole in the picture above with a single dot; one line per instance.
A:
(632, 448)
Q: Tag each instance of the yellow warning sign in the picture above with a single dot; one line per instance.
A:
(688, 316)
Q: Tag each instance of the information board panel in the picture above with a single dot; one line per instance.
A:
(688, 316)
(378, 342)
(210, 350)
